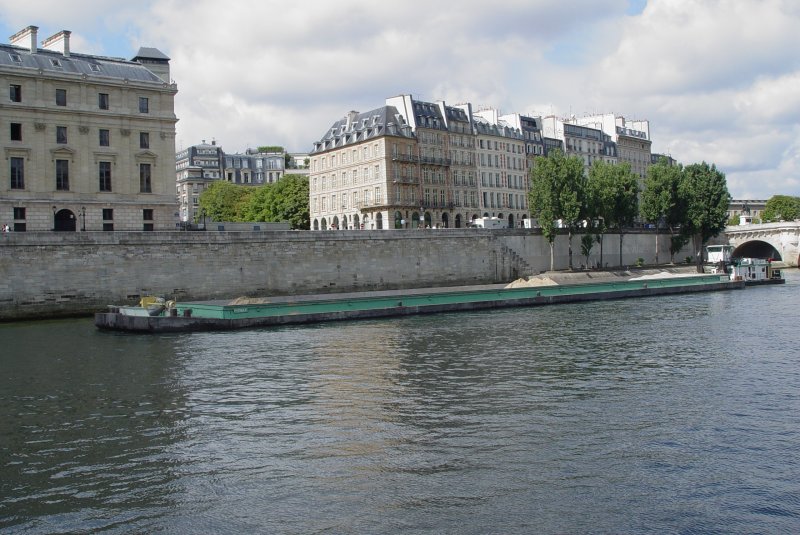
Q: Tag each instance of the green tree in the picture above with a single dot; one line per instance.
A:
(587, 242)
(782, 207)
(223, 201)
(557, 193)
(661, 200)
(705, 191)
(284, 200)
(270, 148)
(613, 193)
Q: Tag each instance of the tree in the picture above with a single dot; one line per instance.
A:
(661, 200)
(557, 193)
(587, 242)
(270, 148)
(284, 200)
(705, 192)
(613, 193)
(782, 208)
(223, 201)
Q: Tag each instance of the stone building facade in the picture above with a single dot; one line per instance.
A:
(88, 141)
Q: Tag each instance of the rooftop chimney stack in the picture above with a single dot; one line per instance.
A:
(19, 38)
(55, 42)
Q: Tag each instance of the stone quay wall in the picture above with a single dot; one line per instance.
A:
(47, 274)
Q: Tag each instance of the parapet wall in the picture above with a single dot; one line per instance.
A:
(56, 274)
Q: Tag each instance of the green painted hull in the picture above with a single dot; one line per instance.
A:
(315, 308)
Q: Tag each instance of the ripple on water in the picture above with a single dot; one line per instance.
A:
(652, 415)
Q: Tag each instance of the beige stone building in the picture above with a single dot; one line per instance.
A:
(351, 172)
(88, 141)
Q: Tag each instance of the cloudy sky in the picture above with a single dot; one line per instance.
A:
(719, 80)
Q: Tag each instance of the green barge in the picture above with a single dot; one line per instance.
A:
(262, 312)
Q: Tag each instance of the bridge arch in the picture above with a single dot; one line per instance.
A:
(756, 249)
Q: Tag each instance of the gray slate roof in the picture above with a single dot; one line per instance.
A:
(92, 66)
(383, 121)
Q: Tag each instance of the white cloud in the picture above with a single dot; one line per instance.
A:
(718, 79)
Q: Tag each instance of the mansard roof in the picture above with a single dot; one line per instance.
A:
(357, 127)
(487, 128)
(96, 67)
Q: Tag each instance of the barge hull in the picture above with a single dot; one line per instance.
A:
(404, 304)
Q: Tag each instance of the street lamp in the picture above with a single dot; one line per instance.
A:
(83, 219)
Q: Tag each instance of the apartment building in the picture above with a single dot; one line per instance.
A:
(352, 182)
(436, 128)
(632, 139)
(196, 167)
(89, 141)
(588, 144)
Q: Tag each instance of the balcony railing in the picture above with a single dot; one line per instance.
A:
(429, 160)
(405, 180)
(405, 158)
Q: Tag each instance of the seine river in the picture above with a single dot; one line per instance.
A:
(659, 415)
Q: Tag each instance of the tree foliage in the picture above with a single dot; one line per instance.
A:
(223, 201)
(270, 148)
(587, 243)
(557, 193)
(612, 195)
(705, 192)
(284, 200)
(782, 208)
(661, 201)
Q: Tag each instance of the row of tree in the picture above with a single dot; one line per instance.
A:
(284, 200)
(691, 201)
(781, 208)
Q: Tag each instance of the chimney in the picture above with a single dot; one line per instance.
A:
(350, 118)
(54, 41)
(19, 37)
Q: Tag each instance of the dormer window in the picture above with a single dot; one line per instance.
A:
(55, 62)
(94, 67)
(15, 58)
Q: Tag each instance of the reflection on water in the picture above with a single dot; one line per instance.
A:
(649, 415)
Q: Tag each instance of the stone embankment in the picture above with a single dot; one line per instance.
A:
(59, 274)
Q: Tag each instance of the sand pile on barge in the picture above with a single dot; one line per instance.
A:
(557, 278)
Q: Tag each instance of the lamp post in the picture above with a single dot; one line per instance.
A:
(83, 219)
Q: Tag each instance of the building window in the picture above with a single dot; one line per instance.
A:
(61, 97)
(62, 175)
(102, 101)
(105, 137)
(144, 140)
(104, 169)
(144, 105)
(147, 216)
(15, 93)
(61, 134)
(19, 219)
(108, 219)
(17, 173)
(16, 131)
(145, 185)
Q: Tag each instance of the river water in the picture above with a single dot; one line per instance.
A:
(665, 414)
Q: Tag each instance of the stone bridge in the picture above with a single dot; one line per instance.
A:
(779, 241)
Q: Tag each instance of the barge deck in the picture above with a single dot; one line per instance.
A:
(246, 313)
